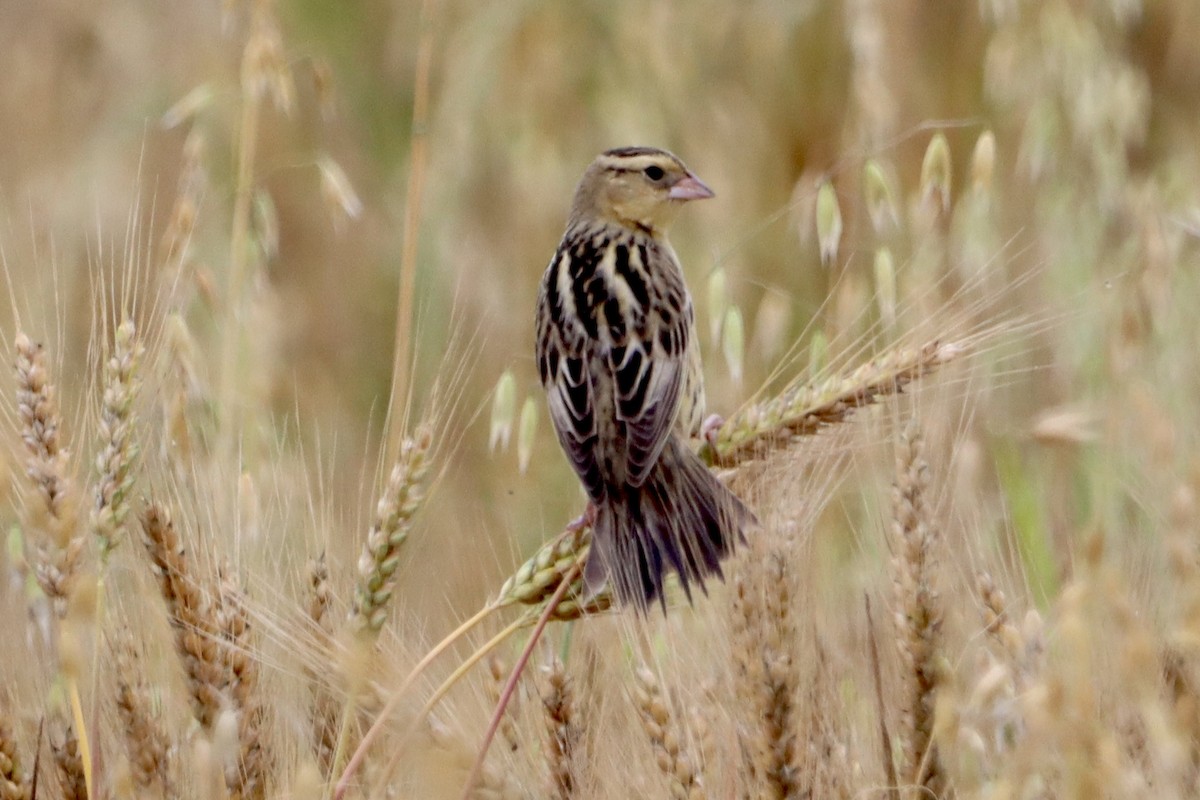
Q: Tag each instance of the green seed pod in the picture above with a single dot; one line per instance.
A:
(936, 173)
(266, 224)
(829, 223)
(338, 193)
(881, 199)
(504, 407)
(983, 162)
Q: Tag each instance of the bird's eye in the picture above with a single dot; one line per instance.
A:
(654, 173)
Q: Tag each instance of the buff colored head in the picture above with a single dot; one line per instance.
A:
(638, 187)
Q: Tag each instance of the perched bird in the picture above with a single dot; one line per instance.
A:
(619, 359)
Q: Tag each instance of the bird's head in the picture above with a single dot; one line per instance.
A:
(638, 187)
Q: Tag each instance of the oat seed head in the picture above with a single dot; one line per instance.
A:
(504, 410)
(936, 175)
(829, 223)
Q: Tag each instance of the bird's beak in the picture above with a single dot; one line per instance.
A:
(690, 188)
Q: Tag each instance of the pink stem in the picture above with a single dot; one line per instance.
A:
(511, 686)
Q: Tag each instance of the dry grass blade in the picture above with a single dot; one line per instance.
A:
(418, 159)
(803, 411)
(455, 676)
(885, 739)
(506, 694)
(360, 753)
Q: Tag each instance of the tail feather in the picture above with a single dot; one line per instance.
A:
(681, 520)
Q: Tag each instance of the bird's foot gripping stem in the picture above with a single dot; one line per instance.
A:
(710, 428)
(585, 520)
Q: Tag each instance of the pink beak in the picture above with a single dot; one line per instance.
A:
(690, 188)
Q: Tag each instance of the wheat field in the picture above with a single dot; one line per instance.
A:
(283, 515)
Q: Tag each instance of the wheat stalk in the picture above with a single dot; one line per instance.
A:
(59, 550)
(193, 620)
(402, 343)
(264, 73)
(67, 757)
(540, 576)
(47, 465)
(146, 743)
(248, 780)
(764, 637)
(804, 410)
(995, 615)
(118, 449)
(393, 519)
(325, 709)
(918, 614)
(13, 784)
(666, 737)
(174, 244)
(563, 732)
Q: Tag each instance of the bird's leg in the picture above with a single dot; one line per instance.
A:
(710, 428)
(585, 520)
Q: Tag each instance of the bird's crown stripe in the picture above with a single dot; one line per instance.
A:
(637, 162)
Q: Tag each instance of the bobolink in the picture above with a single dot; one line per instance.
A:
(620, 362)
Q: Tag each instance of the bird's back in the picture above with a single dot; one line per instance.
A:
(615, 302)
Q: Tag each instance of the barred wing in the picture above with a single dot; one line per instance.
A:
(568, 386)
(646, 389)
(611, 353)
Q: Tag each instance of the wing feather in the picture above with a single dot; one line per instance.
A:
(613, 383)
(647, 402)
(564, 376)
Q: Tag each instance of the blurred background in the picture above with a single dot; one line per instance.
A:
(1083, 214)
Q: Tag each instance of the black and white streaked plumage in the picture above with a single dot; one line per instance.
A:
(618, 357)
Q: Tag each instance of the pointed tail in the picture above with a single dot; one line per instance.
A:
(682, 520)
